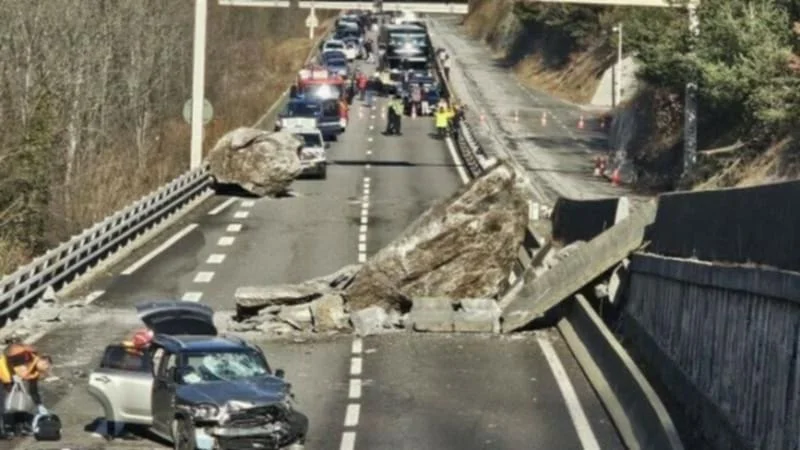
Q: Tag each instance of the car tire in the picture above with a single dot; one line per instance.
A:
(323, 173)
(183, 437)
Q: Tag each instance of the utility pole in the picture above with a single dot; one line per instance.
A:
(690, 105)
(198, 82)
(617, 96)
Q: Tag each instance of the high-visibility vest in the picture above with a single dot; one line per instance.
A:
(441, 119)
(27, 371)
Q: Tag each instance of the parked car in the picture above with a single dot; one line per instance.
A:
(195, 388)
(313, 112)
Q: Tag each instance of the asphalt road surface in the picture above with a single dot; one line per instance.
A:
(399, 391)
(557, 154)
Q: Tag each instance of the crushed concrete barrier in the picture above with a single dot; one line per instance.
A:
(582, 220)
(541, 293)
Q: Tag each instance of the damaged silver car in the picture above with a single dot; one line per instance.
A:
(196, 388)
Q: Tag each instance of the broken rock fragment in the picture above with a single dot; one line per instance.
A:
(252, 299)
(477, 315)
(328, 313)
(433, 314)
(462, 247)
(261, 162)
(368, 321)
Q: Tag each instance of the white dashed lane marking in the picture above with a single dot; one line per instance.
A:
(355, 365)
(355, 389)
(353, 412)
(215, 258)
(348, 440)
(203, 277)
(241, 214)
(248, 203)
(226, 241)
(192, 297)
(234, 228)
(351, 416)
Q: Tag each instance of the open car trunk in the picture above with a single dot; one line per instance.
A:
(177, 318)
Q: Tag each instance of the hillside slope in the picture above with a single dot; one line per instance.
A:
(566, 49)
(91, 99)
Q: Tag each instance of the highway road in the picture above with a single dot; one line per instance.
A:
(398, 391)
(557, 154)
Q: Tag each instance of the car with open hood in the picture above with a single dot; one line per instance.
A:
(196, 388)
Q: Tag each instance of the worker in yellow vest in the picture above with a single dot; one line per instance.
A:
(441, 119)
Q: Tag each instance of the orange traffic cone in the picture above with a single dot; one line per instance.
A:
(544, 118)
(580, 123)
(615, 181)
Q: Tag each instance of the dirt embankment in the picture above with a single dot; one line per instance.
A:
(568, 60)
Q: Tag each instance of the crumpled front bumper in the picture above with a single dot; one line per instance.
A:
(223, 438)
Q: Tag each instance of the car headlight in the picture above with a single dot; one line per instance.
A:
(204, 411)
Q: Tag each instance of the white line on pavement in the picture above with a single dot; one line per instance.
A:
(192, 297)
(462, 172)
(203, 277)
(241, 214)
(355, 365)
(362, 257)
(234, 228)
(215, 258)
(358, 346)
(585, 433)
(362, 247)
(226, 241)
(351, 416)
(92, 297)
(248, 203)
(355, 388)
(348, 440)
(221, 207)
(146, 258)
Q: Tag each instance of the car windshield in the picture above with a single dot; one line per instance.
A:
(334, 46)
(298, 109)
(310, 139)
(333, 54)
(209, 367)
(336, 62)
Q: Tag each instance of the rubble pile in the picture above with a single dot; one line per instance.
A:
(263, 163)
(46, 313)
(442, 274)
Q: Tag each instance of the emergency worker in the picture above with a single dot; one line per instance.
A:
(398, 113)
(441, 117)
(25, 363)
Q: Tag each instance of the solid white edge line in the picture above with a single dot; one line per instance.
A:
(92, 297)
(348, 440)
(351, 416)
(355, 365)
(221, 207)
(462, 172)
(579, 420)
(169, 242)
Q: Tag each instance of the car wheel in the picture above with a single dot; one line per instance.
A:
(323, 173)
(183, 437)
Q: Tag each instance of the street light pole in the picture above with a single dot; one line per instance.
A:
(617, 94)
(690, 105)
(198, 82)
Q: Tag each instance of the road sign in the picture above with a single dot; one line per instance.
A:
(312, 21)
(208, 111)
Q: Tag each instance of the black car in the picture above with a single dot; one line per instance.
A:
(198, 389)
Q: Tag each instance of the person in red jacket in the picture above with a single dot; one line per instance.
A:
(362, 85)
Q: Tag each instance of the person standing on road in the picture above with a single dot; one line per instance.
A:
(21, 363)
(368, 49)
(398, 113)
(362, 85)
(440, 119)
(391, 120)
(416, 98)
(446, 66)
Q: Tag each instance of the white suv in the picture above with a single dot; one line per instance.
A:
(313, 158)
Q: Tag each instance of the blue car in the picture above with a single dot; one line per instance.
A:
(311, 112)
(337, 67)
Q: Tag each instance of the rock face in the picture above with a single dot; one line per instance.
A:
(463, 247)
(260, 162)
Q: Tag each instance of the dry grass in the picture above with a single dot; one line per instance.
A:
(108, 184)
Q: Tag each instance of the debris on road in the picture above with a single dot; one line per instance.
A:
(462, 247)
(262, 163)
(42, 316)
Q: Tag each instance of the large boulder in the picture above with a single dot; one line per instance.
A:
(462, 247)
(261, 162)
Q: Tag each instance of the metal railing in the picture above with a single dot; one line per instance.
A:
(69, 260)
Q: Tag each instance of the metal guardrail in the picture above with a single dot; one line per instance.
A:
(69, 260)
